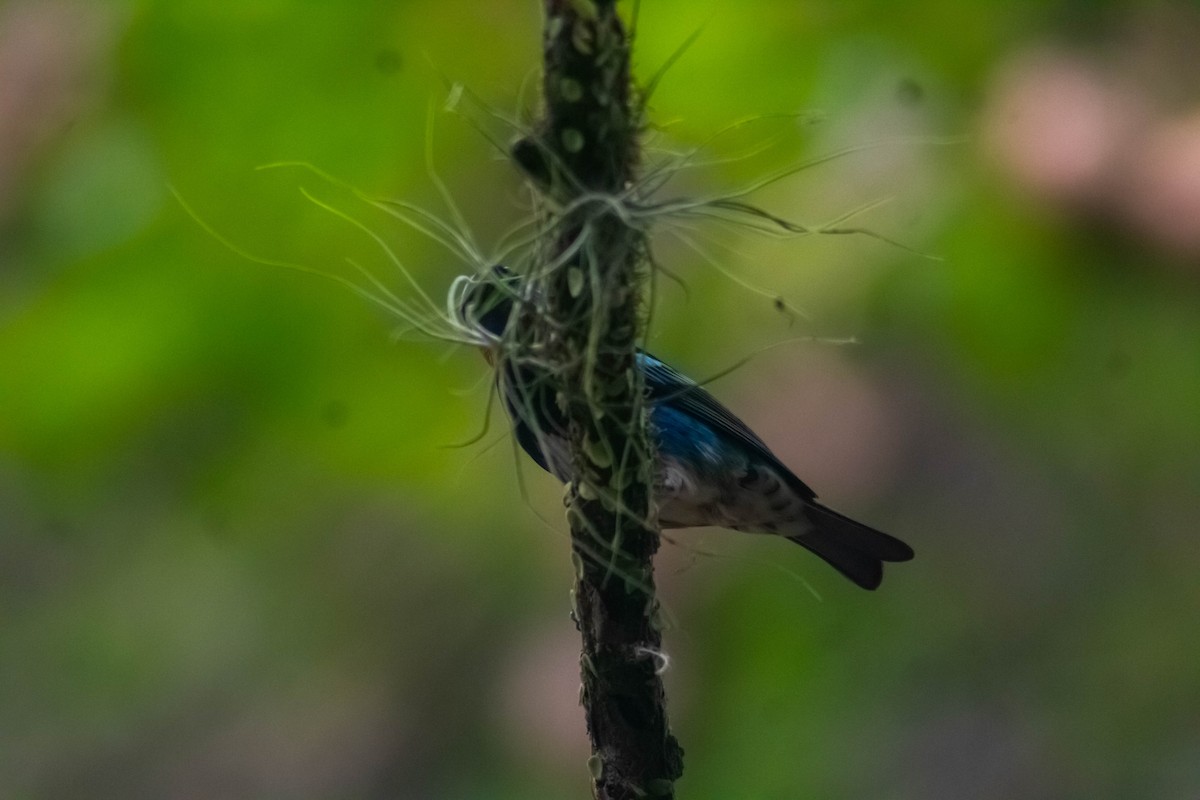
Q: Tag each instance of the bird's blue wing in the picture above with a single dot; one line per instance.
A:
(665, 384)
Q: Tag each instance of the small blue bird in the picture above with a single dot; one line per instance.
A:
(711, 469)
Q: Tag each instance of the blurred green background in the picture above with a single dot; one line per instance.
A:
(239, 557)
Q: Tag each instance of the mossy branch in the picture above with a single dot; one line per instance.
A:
(591, 267)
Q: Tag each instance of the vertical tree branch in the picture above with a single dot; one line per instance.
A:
(584, 160)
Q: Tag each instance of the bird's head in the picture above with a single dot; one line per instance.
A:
(484, 304)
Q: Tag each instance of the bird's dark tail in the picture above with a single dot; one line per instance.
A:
(853, 549)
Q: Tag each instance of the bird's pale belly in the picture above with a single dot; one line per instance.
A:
(749, 500)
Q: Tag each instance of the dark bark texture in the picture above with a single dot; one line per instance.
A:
(583, 157)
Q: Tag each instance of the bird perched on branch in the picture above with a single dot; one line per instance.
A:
(710, 468)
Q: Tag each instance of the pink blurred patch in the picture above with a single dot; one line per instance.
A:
(1103, 137)
(52, 55)
(539, 716)
(827, 420)
(1164, 196)
(1056, 124)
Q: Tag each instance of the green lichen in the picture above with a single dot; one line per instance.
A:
(583, 38)
(598, 452)
(589, 668)
(572, 140)
(570, 90)
(657, 621)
